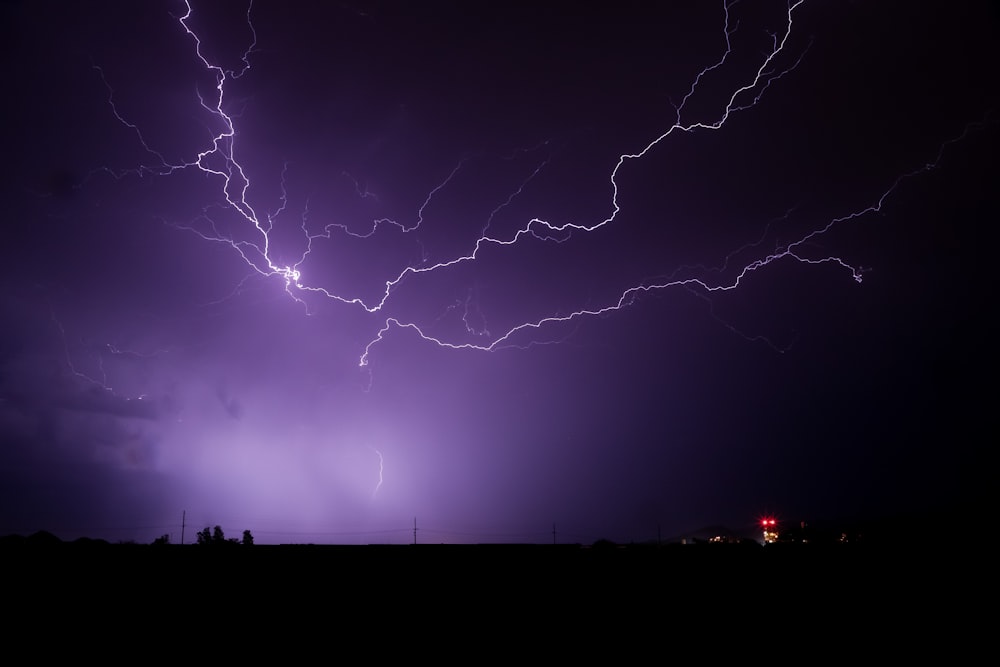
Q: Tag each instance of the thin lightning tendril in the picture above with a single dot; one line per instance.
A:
(219, 160)
(381, 469)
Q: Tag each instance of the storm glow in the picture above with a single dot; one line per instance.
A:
(315, 271)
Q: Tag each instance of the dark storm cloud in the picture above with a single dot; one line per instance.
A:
(229, 404)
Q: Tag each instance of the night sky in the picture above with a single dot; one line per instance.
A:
(626, 269)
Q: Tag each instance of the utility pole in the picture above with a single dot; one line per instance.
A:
(183, 518)
(553, 532)
(414, 530)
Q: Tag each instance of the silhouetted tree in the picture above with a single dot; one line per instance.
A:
(162, 539)
(216, 536)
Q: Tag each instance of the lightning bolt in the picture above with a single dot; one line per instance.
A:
(252, 241)
(381, 469)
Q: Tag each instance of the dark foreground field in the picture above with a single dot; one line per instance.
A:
(777, 570)
(623, 602)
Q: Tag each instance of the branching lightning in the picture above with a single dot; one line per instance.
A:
(219, 160)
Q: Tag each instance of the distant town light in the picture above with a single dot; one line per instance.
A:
(770, 530)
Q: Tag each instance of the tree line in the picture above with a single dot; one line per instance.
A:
(213, 537)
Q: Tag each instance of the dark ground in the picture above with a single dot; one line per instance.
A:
(626, 603)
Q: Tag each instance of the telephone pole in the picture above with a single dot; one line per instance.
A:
(183, 517)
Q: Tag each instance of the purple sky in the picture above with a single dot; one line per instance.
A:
(493, 266)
